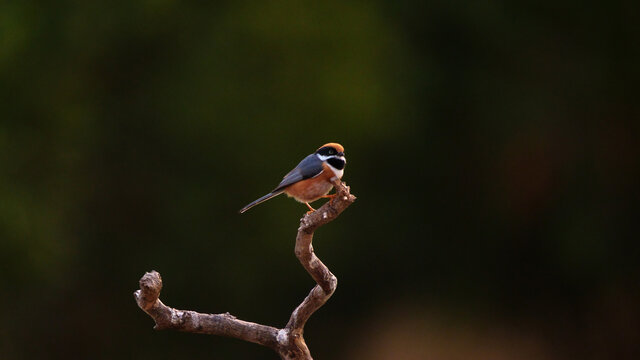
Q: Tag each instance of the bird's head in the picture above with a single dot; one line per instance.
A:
(331, 149)
(333, 154)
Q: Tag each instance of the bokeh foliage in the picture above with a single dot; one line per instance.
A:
(493, 147)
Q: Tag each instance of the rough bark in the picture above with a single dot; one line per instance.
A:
(288, 342)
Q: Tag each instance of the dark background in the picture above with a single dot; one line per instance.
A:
(493, 147)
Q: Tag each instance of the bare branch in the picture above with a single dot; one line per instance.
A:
(190, 321)
(288, 342)
(327, 282)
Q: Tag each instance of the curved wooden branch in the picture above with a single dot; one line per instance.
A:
(190, 321)
(288, 342)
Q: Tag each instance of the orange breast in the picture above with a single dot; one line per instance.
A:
(311, 189)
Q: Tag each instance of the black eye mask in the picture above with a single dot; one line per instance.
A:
(326, 151)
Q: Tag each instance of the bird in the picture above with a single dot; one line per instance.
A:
(311, 179)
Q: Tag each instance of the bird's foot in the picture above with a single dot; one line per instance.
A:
(310, 208)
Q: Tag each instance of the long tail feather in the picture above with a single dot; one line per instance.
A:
(260, 200)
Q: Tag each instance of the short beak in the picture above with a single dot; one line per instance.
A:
(340, 154)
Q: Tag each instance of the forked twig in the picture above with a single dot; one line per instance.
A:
(288, 342)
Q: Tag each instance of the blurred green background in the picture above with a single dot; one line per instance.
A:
(493, 147)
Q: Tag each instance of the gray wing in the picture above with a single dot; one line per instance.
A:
(309, 167)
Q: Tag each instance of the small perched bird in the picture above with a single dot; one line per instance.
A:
(311, 179)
